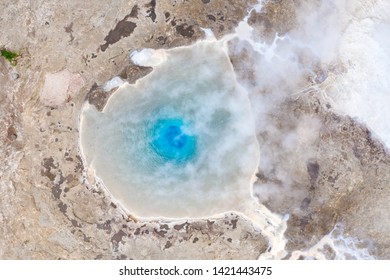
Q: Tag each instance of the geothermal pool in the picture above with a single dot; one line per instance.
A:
(178, 143)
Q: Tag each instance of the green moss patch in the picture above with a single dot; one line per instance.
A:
(10, 56)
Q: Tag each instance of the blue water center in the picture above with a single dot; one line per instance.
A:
(171, 140)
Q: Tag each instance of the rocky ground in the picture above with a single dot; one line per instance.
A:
(50, 205)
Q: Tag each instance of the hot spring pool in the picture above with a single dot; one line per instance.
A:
(178, 143)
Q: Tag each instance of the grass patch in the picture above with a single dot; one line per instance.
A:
(10, 56)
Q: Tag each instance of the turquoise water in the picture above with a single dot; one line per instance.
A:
(171, 141)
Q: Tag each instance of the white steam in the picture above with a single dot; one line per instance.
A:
(148, 57)
(328, 37)
(363, 91)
